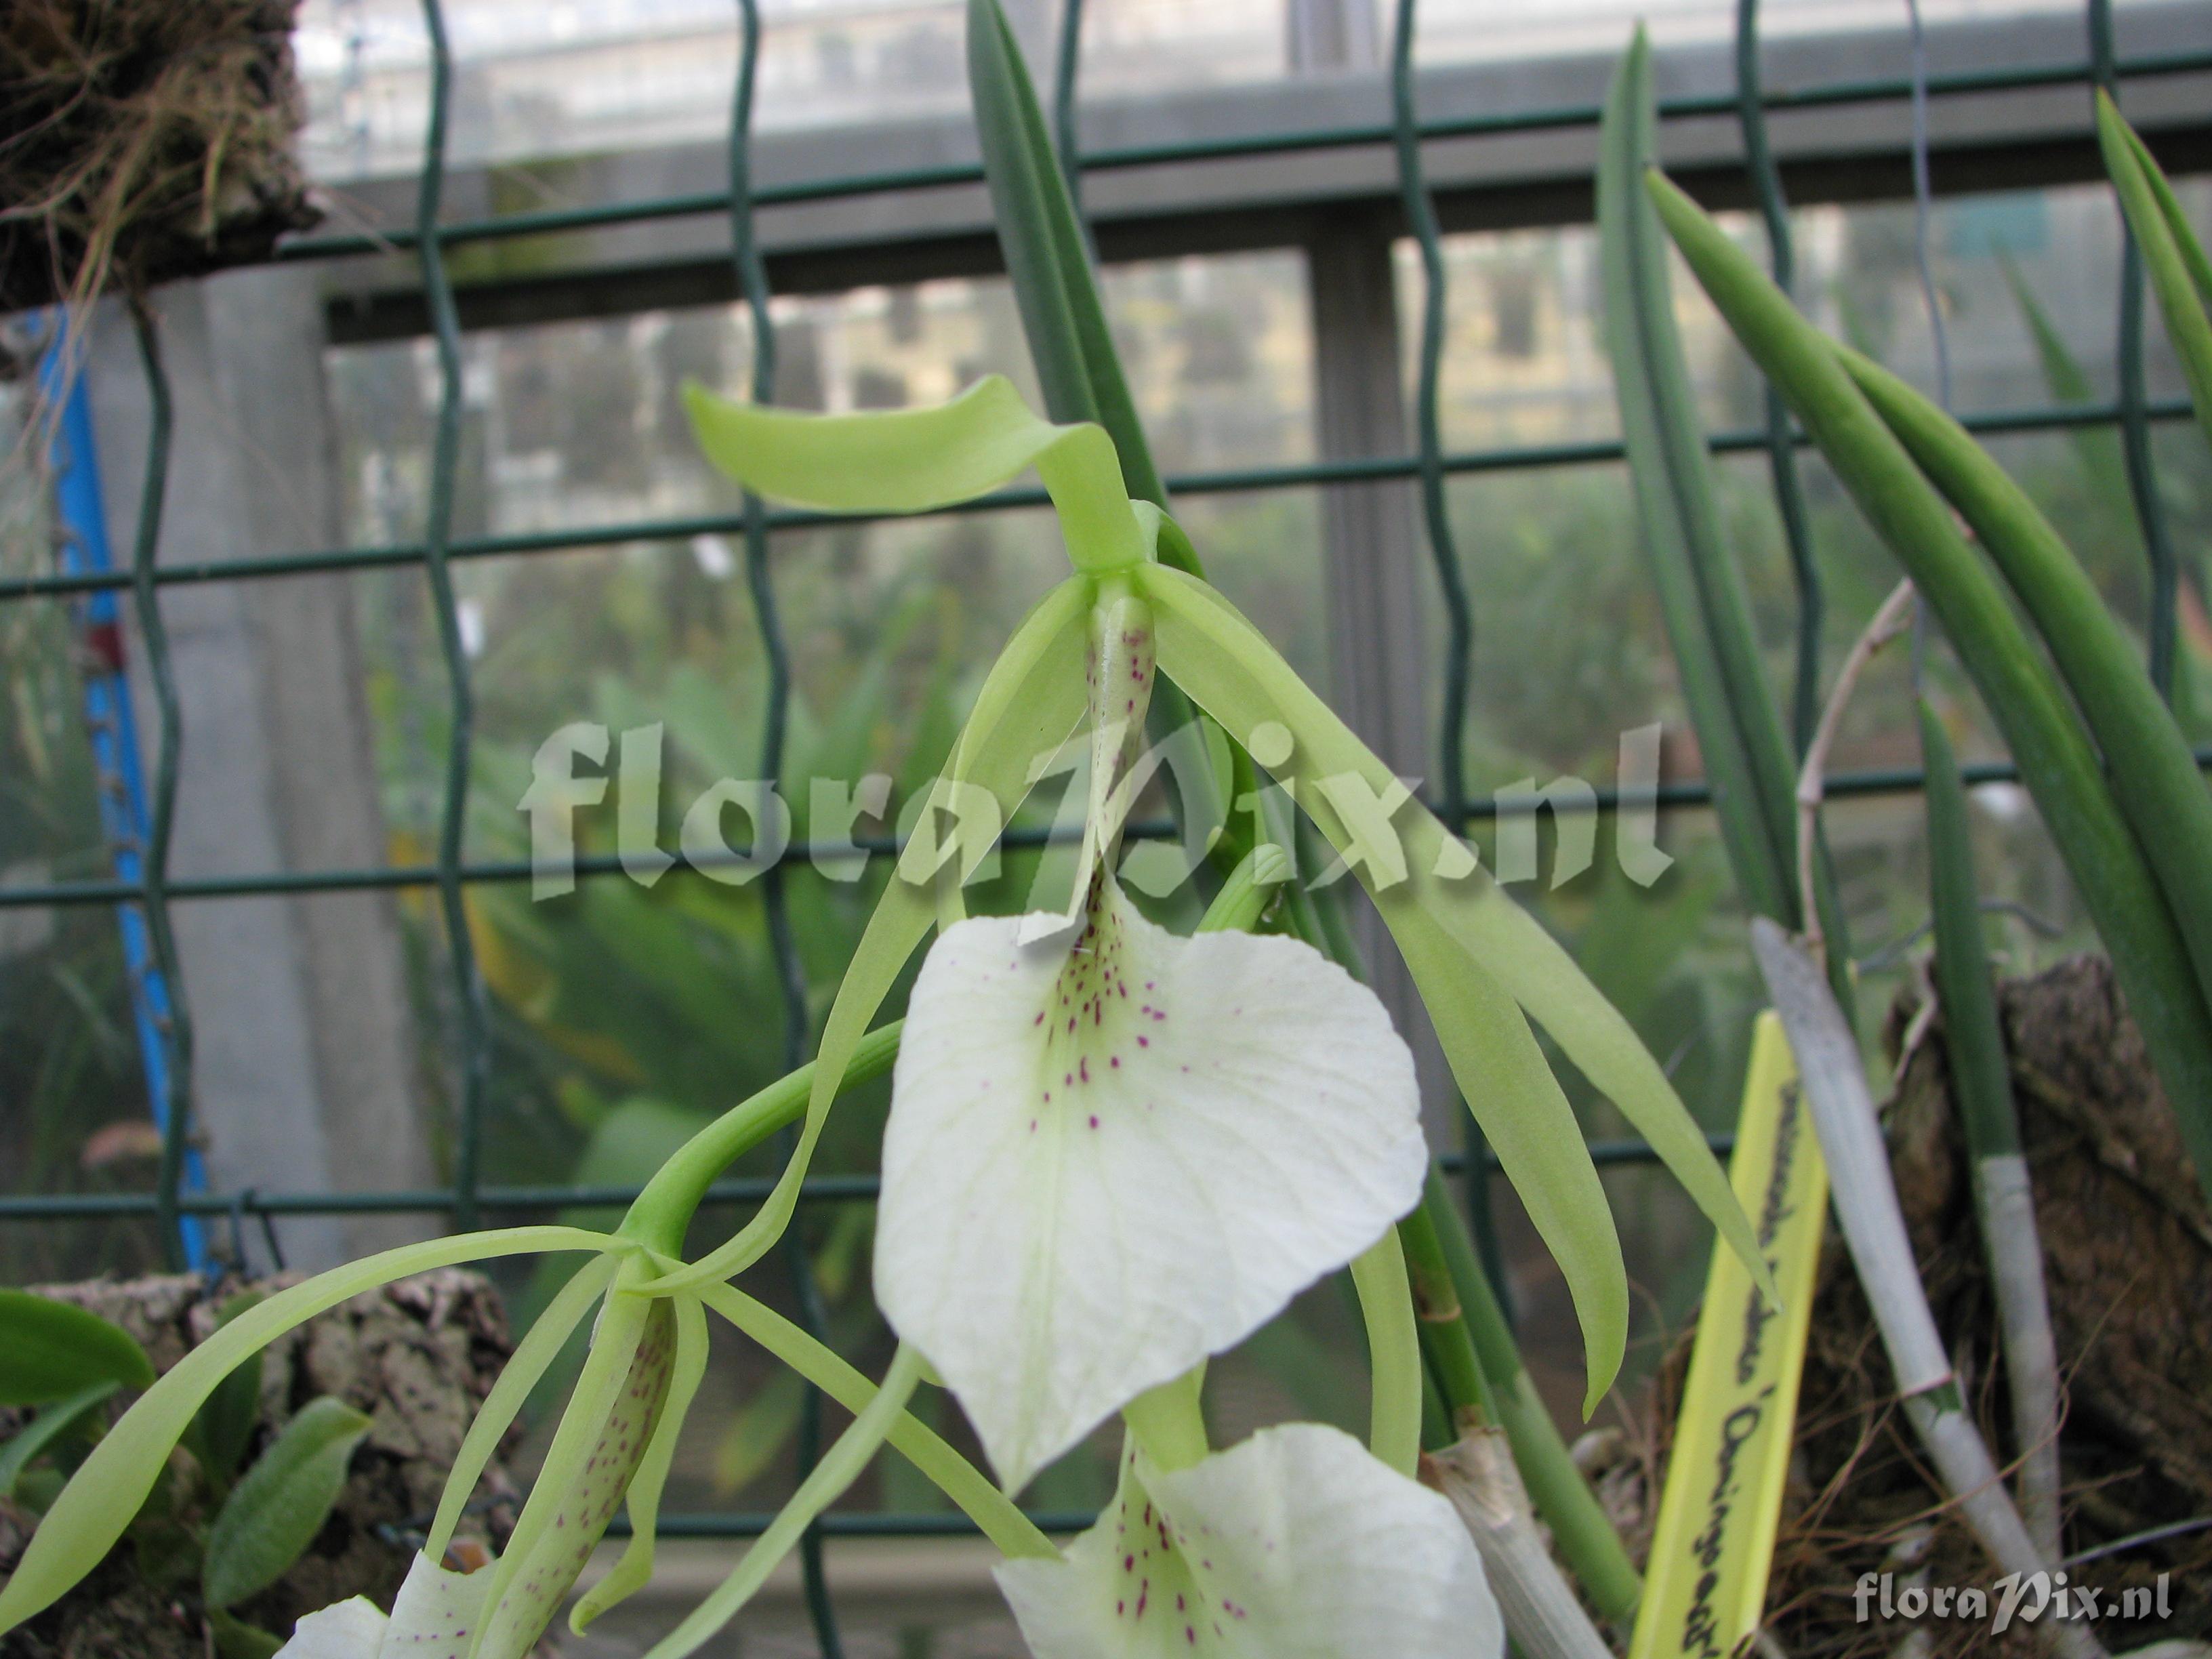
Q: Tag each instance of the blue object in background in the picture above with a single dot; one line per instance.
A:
(83, 517)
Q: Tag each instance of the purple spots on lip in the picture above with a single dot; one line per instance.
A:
(1144, 1043)
(1094, 1120)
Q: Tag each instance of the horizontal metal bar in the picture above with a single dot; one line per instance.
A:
(1379, 469)
(551, 220)
(816, 1189)
(1692, 793)
(850, 1523)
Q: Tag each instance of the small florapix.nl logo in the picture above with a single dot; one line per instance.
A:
(2027, 1597)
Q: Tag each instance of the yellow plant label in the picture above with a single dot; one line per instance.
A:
(1705, 1586)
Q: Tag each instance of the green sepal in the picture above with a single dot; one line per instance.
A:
(1029, 703)
(517, 1379)
(912, 460)
(1474, 955)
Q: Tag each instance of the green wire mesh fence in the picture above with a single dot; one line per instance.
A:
(437, 550)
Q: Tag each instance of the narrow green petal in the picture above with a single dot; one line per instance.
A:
(1394, 1353)
(634, 1569)
(522, 1372)
(108, 1487)
(1464, 940)
(1012, 1533)
(912, 460)
(840, 1466)
(1029, 703)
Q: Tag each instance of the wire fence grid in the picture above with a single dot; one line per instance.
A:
(146, 888)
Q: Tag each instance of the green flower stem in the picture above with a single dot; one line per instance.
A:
(1579, 1524)
(1169, 1422)
(1444, 1338)
(1012, 1533)
(662, 1213)
(1394, 1353)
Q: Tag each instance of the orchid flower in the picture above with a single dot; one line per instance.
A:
(1295, 1545)
(1113, 1151)
(1273, 1124)
(613, 1447)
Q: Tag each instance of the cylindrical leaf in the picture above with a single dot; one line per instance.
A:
(1701, 594)
(2057, 761)
(2154, 776)
(1973, 1039)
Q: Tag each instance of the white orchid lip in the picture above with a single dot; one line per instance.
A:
(435, 1616)
(1295, 1545)
(1117, 1151)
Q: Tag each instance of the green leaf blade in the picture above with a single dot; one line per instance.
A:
(225, 1424)
(49, 1428)
(279, 1506)
(50, 1350)
(1047, 261)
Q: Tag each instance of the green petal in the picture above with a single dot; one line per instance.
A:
(1030, 703)
(107, 1489)
(840, 1466)
(1012, 1532)
(1465, 943)
(911, 460)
